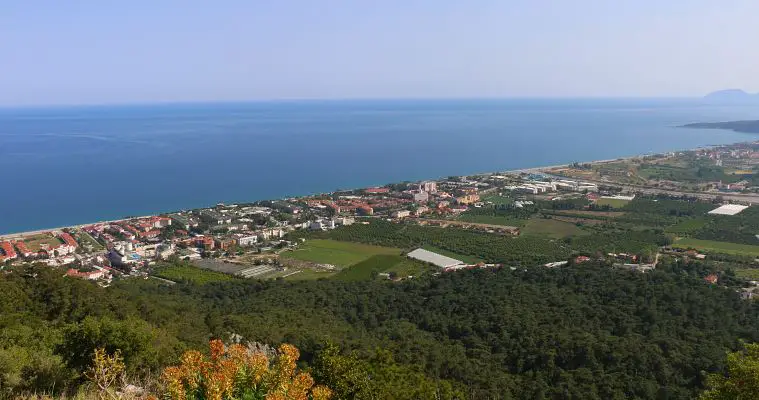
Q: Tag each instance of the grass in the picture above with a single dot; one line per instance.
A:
(688, 225)
(551, 228)
(409, 267)
(35, 243)
(309, 275)
(85, 239)
(492, 219)
(719, 247)
(365, 269)
(748, 273)
(178, 273)
(343, 254)
(466, 259)
(613, 203)
(498, 200)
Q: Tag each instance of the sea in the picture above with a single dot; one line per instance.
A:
(62, 166)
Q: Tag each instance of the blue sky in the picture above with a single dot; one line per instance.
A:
(95, 51)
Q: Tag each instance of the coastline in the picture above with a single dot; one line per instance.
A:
(20, 235)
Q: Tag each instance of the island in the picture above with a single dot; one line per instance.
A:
(748, 126)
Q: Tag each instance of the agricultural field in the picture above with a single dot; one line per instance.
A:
(548, 227)
(613, 203)
(718, 247)
(409, 267)
(688, 226)
(309, 275)
(341, 254)
(492, 219)
(373, 264)
(181, 272)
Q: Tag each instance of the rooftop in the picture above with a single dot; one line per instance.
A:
(434, 258)
(728, 209)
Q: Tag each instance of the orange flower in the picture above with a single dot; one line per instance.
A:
(321, 393)
(217, 349)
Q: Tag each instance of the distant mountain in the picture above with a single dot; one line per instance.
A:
(732, 96)
(737, 126)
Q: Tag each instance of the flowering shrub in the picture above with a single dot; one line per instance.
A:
(236, 373)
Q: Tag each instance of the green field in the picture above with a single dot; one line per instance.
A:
(613, 203)
(36, 242)
(466, 259)
(179, 273)
(748, 273)
(342, 254)
(498, 200)
(309, 275)
(365, 269)
(718, 247)
(688, 225)
(492, 219)
(552, 228)
(409, 267)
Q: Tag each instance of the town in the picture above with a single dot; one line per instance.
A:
(273, 239)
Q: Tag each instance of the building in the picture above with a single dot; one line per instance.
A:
(322, 224)
(365, 210)
(421, 210)
(377, 190)
(429, 186)
(24, 250)
(215, 218)
(421, 197)
(184, 222)
(712, 278)
(91, 275)
(7, 252)
(345, 221)
(205, 242)
(225, 243)
(246, 240)
(468, 199)
(400, 214)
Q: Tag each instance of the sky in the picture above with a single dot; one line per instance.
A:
(95, 51)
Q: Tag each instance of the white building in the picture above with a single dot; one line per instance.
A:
(344, 221)
(421, 197)
(429, 186)
(246, 240)
(400, 214)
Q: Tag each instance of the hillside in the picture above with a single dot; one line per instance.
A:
(585, 332)
(732, 96)
(737, 126)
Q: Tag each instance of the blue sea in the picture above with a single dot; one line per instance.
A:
(70, 165)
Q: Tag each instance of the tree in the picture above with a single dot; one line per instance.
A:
(741, 380)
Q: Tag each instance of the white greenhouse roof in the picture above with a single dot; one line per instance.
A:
(728, 209)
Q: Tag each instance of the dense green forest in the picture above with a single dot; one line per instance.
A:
(587, 331)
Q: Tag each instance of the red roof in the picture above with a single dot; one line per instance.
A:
(711, 278)
(8, 250)
(68, 240)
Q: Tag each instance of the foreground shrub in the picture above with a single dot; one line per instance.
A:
(235, 372)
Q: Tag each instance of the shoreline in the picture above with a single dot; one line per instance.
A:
(21, 235)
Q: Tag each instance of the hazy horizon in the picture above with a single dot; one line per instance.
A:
(171, 51)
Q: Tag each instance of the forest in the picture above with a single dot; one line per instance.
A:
(586, 332)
